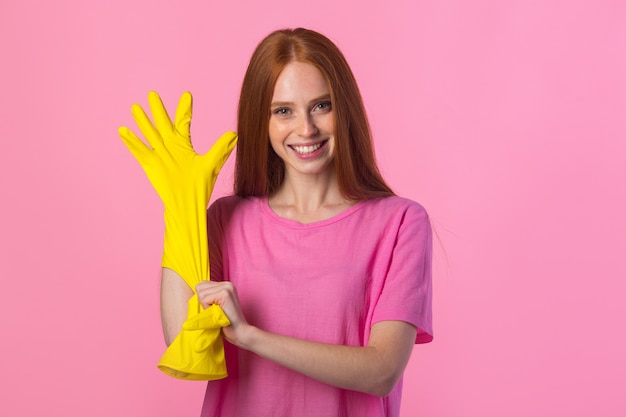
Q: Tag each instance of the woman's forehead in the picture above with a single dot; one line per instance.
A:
(298, 81)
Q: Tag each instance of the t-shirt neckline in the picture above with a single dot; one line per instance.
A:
(265, 207)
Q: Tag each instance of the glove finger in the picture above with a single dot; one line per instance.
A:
(161, 118)
(147, 128)
(211, 318)
(220, 151)
(201, 322)
(182, 122)
(133, 143)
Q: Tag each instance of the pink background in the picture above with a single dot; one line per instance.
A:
(506, 119)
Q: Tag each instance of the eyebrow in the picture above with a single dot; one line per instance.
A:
(289, 103)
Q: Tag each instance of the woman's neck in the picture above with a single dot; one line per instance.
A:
(308, 199)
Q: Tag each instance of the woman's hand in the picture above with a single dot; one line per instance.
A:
(224, 294)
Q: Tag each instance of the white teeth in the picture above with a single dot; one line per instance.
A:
(307, 149)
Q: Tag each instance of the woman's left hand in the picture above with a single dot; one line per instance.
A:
(224, 294)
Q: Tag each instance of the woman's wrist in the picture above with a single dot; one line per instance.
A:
(246, 337)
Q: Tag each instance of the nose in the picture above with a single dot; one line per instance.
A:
(307, 127)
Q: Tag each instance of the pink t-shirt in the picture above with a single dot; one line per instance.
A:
(327, 281)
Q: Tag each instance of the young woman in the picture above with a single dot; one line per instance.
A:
(324, 274)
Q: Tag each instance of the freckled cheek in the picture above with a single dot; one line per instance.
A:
(326, 123)
(277, 138)
(278, 132)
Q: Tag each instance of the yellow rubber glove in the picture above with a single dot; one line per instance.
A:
(184, 180)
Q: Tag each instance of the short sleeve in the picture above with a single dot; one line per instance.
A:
(406, 293)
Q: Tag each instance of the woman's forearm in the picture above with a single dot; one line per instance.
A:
(175, 293)
(373, 369)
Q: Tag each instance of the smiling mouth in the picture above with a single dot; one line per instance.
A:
(305, 150)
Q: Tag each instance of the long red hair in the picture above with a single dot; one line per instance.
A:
(258, 170)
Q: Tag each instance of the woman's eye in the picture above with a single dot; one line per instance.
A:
(281, 111)
(323, 106)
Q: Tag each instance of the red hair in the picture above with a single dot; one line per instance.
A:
(258, 170)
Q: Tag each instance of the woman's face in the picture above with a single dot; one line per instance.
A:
(301, 126)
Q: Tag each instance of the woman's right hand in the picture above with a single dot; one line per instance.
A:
(169, 159)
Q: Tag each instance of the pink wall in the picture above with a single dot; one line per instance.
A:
(507, 120)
